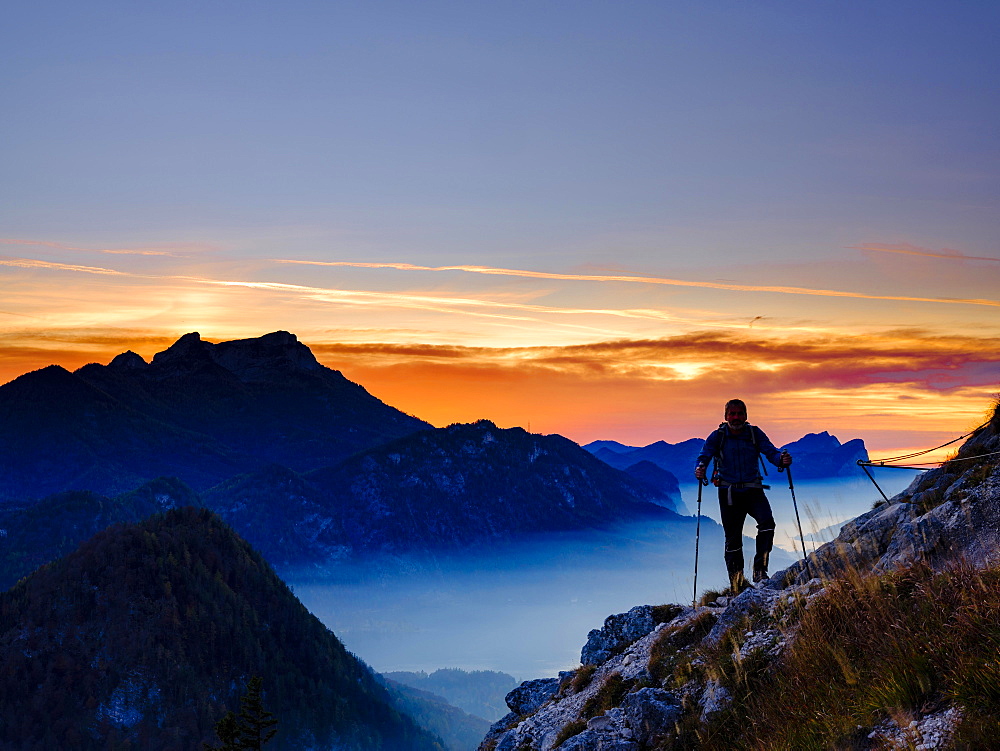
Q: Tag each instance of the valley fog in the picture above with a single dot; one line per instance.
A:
(525, 609)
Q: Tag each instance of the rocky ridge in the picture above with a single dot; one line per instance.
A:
(639, 686)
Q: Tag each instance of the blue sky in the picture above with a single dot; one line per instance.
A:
(847, 147)
(506, 126)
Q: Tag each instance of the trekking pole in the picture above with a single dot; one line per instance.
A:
(791, 487)
(697, 540)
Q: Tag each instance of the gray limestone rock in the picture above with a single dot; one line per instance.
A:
(738, 608)
(878, 524)
(714, 699)
(861, 544)
(650, 712)
(618, 632)
(511, 742)
(530, 695)
(602, 723)
(503, 724)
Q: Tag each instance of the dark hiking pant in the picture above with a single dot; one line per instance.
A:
(735, 504)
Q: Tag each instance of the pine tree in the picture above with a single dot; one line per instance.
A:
(251, 728)
(229, 733)
(256, 724)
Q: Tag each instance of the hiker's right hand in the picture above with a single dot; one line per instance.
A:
(699, 472)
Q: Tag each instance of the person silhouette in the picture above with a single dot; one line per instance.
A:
(736, 446)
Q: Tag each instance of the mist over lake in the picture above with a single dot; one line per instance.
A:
(526, 609)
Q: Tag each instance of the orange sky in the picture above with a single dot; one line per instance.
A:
(591, 355)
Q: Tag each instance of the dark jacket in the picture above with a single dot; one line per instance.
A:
(736, 454)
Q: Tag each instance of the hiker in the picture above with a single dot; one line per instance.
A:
(736, 447)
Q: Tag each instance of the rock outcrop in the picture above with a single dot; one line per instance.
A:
(618, 632)
(642, 682)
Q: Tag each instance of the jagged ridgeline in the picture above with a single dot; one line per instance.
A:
(201, 412)
(895, 643)
(147, 634)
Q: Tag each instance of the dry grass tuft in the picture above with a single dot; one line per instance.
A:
(569, 730)
(711, 595)
(609, 695)
(667, 650)
(582, 677)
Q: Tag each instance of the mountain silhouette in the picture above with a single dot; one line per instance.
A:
(199, 411)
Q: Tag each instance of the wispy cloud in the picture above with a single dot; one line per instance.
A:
(143, 251)
(631, 279)
(32, 263)
(468, 306)
(913, 250)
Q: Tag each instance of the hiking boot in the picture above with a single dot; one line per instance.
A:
(738, 582)
(759, 575)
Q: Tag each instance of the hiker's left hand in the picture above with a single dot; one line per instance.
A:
(786, 459)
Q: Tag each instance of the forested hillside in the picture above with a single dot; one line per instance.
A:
(147, 634)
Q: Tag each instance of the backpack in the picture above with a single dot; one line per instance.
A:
(723, 433)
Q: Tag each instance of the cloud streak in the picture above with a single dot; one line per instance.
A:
(32, 263)
(631, 279)
(902, 386)
(468, 306)
(144, 251)
(913, 250)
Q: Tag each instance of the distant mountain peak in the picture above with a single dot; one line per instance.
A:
(816, 455)
(187, 351)
(256, 359)
(50, 386)
(820, 439)
(128, 361)
(50, 373)
(252, 358)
